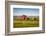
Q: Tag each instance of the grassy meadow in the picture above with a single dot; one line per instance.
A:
(28, 22)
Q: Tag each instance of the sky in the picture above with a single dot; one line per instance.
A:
(25, 11)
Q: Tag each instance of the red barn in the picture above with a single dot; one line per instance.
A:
(23, 17)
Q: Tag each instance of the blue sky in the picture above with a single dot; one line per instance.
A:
(25, 11)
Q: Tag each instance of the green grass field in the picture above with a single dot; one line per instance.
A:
(20, 24)
(17, 23)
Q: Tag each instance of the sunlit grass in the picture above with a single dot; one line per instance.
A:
(21, 24)
(29, 22)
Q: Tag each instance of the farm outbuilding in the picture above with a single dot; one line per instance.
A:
(23, 17)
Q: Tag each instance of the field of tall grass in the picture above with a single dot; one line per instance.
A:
(30, 22)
